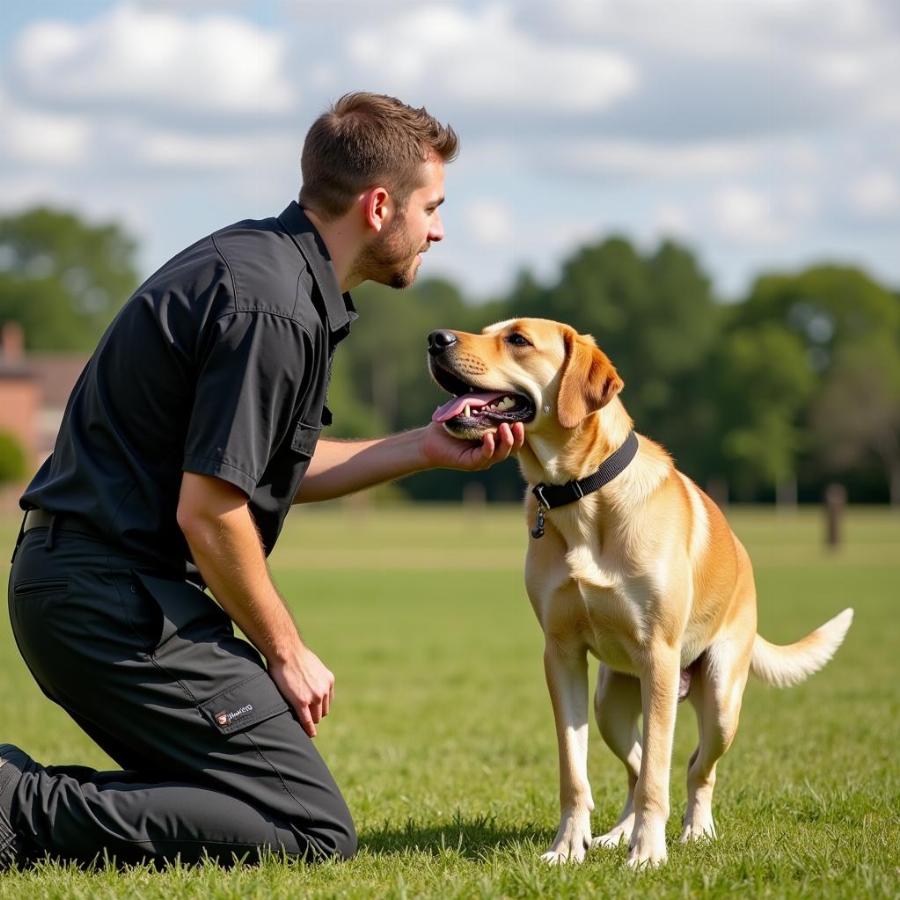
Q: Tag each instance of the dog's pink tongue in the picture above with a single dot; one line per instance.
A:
(455, 406)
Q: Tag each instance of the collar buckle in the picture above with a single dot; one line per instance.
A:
(576, 488)
(538, 491)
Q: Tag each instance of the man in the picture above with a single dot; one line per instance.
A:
(191, 431)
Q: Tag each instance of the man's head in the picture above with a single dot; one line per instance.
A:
(379, 164)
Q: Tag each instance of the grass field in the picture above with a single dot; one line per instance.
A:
(442, 735)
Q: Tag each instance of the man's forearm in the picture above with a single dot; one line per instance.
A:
(342, 467)
(220, 531)
(230, 557)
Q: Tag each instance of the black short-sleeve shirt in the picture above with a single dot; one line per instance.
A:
(219, 365)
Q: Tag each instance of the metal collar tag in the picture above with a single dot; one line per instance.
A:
(550, 496)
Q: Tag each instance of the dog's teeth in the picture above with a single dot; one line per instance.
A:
(467, 412)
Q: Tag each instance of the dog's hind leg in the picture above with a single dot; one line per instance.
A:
(617, 705)
(717, 688)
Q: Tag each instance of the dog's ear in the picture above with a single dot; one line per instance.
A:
(589, 381)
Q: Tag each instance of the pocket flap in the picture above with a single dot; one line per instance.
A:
(305, 438)
(245, 704)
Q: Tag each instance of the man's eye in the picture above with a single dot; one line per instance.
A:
(518, 340)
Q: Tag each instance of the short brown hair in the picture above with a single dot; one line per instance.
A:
(365, 139)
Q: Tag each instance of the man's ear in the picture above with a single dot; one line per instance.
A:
(376, 203)
(589, 381)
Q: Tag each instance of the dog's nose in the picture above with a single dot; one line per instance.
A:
(439, 341)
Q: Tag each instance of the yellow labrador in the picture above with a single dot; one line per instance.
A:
(643, 572)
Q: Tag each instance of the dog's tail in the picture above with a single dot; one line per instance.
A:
(791, 664)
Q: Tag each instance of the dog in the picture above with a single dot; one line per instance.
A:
(637, 566)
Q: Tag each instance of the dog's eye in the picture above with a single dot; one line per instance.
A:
(518, 340)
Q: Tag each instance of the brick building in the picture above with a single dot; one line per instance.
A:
(34, 389)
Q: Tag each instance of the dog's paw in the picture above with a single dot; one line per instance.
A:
(648, 845)
(616, 835)
(698, 829)
(572, 840)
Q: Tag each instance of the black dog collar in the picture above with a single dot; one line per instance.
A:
(549, 496)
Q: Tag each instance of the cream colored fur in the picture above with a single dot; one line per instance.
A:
(644, 574)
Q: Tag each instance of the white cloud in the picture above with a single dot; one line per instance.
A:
(180, 151)
(777, 64)
(37, 138)
(481, 59)
(801, 202)
(747, 216)
(490, 222)
(875, 194)
(142, 60)
(671, 221)
(659, 160)
(759, 129)
(714, 29)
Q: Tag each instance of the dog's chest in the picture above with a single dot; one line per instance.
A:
(614, 612)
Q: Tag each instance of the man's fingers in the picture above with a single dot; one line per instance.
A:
(306, 722)
(487, 445)
(503, 444)
(326, 704)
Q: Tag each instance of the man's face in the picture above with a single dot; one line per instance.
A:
(395, 254)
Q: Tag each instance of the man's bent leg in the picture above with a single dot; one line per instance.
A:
(82, 814)
(151, 668)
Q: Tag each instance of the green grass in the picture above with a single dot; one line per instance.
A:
(442, 735)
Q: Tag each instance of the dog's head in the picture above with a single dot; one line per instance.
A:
(534, 371)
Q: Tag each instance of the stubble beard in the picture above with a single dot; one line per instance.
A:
(390, 258)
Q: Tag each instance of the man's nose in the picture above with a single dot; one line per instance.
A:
(436, 232)
(439, 341)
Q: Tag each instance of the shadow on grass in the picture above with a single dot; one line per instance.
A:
(472, 838)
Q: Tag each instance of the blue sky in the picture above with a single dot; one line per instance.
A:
(764, 133)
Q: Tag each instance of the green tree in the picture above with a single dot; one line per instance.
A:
(760, 379)
(856, 416)
(61, 278)
(386, 357)
(13, 466)
(849, 327)
(352, 417)
(827, 307)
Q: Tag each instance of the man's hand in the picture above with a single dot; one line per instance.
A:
(306, 685)
(441, 450)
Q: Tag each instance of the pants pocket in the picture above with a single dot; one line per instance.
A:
(179, 608)
(244, 705)
(41, 586)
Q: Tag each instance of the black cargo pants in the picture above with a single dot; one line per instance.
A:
(213, 761)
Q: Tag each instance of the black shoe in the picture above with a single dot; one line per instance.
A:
(13, 762)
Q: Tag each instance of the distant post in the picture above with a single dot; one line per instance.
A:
(835, 505)
(717, 489)
(474, 495)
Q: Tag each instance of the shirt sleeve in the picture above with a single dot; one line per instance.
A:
(254, 370)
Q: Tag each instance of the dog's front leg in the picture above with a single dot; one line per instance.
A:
(566, 670)
(659, 699)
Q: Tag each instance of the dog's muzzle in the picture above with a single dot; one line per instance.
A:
(439, 341)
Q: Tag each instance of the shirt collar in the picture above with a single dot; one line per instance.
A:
(339, 308)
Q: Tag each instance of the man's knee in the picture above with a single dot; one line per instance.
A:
(338, 840)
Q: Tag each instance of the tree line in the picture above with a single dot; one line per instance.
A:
(793, 386)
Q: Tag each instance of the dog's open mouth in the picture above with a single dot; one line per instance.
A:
(474, 407)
